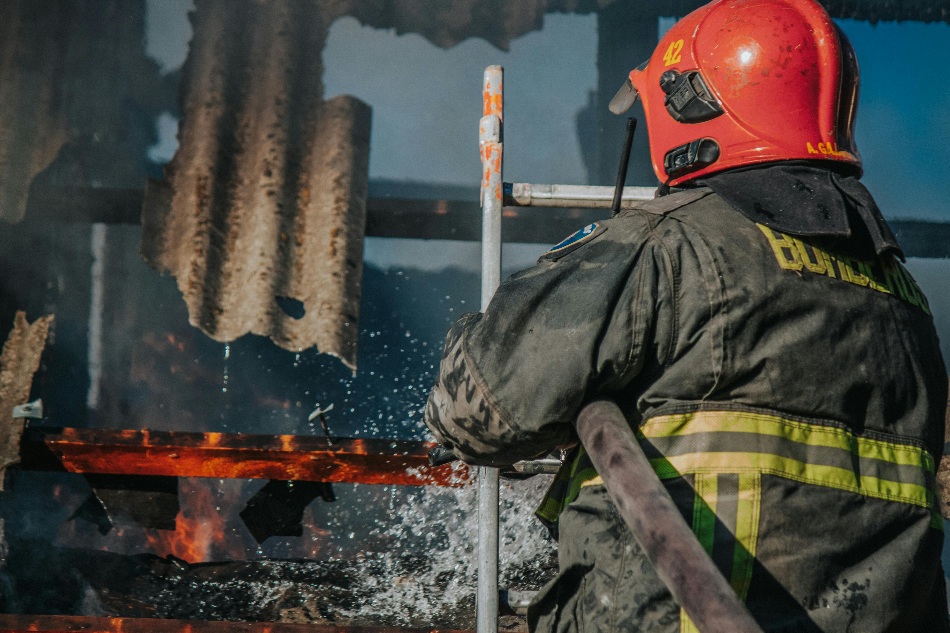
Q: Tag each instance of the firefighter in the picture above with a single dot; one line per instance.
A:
(756, 325)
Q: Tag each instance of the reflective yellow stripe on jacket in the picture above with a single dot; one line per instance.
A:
(727, 452)
(738, 441)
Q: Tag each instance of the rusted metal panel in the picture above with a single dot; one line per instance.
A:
(220, 456)
(79, 624)
(265, 199)
(18, 363)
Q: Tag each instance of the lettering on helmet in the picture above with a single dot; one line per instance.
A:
(828, 149)
(673, 53)
(885, 275)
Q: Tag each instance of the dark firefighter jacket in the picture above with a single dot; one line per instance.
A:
(789, 395)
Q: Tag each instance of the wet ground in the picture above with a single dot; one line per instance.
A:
(65, 581)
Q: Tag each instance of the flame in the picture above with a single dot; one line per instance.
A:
(200, 534)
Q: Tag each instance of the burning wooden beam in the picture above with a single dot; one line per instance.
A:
(80, 624)
(229, 456)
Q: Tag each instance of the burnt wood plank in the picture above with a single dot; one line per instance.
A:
(231, 456)
(81, 624)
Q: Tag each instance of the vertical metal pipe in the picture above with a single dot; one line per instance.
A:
(97, 244)
(490, 147)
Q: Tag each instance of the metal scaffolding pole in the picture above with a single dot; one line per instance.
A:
(490, 146)
(495, 193)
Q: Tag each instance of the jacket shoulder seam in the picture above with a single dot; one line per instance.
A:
(669, 203)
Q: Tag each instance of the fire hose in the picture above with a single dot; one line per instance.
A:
(648, 510)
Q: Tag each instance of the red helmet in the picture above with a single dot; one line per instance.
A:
(740, 82)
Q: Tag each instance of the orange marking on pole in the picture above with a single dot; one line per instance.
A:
(492, 104)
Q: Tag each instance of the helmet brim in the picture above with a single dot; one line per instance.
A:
(624, 99)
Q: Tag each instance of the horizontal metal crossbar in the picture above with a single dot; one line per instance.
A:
(522, 194)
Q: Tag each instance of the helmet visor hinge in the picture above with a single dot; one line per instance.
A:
(690, 157)
(624, 99)
(688, 99)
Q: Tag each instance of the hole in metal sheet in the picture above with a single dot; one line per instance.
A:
(294, 308)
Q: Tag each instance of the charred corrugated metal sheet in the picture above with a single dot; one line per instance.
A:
(78, 97)
(448, 23)
(262, 212)
(18, 362)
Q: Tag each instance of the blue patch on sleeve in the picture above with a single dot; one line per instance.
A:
(575, 241)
